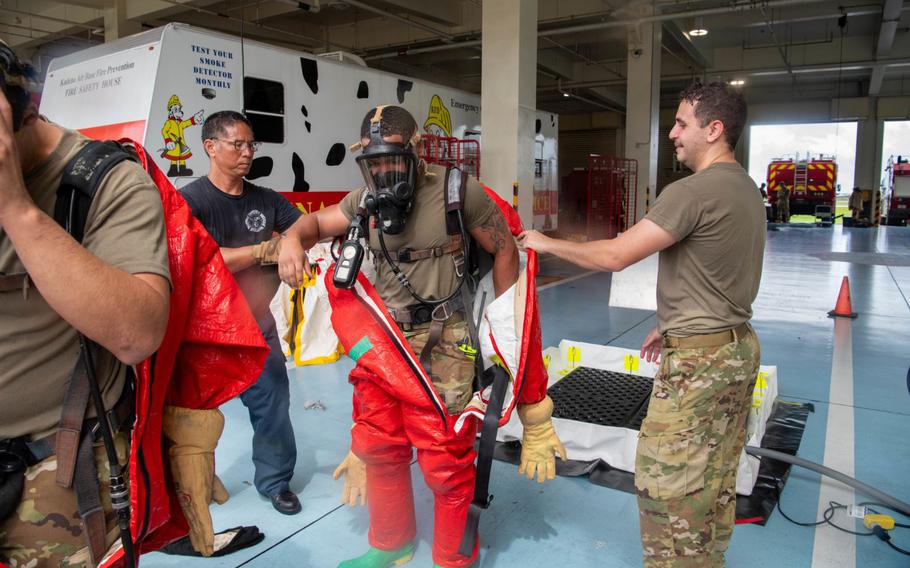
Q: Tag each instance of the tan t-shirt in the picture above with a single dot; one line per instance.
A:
(38, 349)
(708, 280)
(432, 278)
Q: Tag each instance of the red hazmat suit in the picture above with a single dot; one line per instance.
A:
(212, 351)
(396, 407)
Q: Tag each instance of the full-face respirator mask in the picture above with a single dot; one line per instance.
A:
(390, 172)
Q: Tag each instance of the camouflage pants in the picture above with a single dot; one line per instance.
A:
(688, 452)
(452, 371)
(783, 211)
(45, 530)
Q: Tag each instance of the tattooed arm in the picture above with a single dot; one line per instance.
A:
(495, 238)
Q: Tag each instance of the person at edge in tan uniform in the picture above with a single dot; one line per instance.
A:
(710, 231)
(113, 288)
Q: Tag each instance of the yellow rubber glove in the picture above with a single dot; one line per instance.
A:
(194, 435)
(540, 443)
(355, 480)
(267, 252)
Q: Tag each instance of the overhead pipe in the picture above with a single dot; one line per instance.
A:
(780, 48)
(760, 72)
(429, 49)
(50, 19)
(311, 6)
(740, 7)
(830, 16)
(243, 21)
(446, 37)
(583, 57)
(589, 100)
(32, 29)
(594, 102)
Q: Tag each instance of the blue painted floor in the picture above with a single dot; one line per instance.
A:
(570, 522)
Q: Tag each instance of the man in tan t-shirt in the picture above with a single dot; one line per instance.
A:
(113, 288)
(710, 231)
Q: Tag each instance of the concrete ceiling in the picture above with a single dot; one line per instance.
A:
(782, 49)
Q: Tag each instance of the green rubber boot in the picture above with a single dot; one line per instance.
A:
(375, 558)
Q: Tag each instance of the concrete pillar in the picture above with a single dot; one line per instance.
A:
(116, 25)
(643, 105)
(508, 100)
(868, 165)
(741, 152)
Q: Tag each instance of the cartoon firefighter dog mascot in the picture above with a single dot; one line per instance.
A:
(175, 147)
(420, 335)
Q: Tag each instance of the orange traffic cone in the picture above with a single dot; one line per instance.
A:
(843, 308)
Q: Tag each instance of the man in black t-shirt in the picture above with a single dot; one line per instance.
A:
(242, 218)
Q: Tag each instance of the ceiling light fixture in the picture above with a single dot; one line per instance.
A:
(566, 95)
(699, 28)
(737, 82)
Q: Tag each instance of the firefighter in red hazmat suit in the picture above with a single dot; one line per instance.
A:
(415, 337)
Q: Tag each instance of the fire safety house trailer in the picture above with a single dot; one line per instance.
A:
(157, 86)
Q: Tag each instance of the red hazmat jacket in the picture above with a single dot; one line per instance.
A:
(533, 368)
(363, 325)
(212, 351)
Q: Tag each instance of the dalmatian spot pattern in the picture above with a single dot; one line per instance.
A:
(310, 73)
(309, 127)
(336, 155)
(304, 110)
(537, 126)
(300, 183)
(403, 87)
(363, 90)
(261, 167)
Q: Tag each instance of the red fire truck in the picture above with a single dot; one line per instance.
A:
(812, 183)
(896, 204)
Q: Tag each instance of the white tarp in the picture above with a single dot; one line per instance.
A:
(616, 446)
(636, 286)
(315, 341)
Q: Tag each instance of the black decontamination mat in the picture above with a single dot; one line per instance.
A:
(609, 398)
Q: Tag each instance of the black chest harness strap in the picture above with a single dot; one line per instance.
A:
(81, 179)
(499, 378)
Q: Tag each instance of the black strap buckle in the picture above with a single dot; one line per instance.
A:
(459, 260)
(404, 255)
(442, 312)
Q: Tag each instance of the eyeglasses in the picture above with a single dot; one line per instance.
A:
(239, 144)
